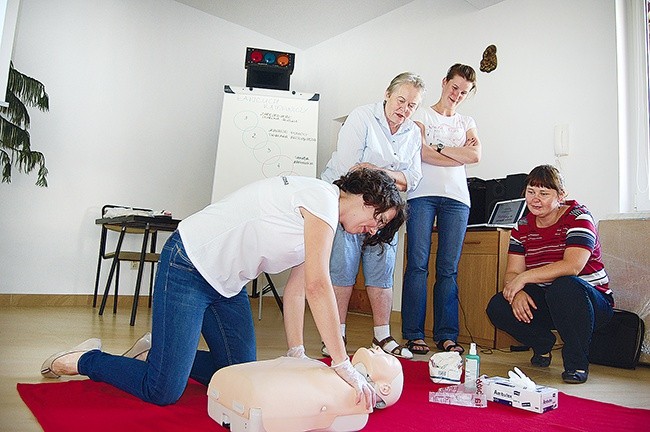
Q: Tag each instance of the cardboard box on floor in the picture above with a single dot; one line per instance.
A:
(502, 390)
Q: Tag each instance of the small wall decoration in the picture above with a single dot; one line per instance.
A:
(489, 62)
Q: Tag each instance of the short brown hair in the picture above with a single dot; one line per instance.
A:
(546, 176)
(463, 71)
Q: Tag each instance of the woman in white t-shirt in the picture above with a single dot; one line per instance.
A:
(450, 142)
(268, 226)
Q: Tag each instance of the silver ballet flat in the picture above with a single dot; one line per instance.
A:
(141, 346)
(85, 346)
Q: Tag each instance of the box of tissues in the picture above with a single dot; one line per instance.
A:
(520, 392)
(446, 367)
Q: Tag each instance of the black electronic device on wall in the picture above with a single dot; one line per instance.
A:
(268, 69)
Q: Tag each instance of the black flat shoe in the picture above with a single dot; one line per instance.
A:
(541, 361)
(574, 377)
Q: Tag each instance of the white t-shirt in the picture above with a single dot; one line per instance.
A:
(450, 182)
(256, 229)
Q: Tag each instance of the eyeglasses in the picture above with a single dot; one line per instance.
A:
(381, 221)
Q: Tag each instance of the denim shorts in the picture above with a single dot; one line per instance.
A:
(378, 265)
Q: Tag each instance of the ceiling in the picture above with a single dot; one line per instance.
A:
(304, 23)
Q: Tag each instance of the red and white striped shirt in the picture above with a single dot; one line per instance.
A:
(542, 246)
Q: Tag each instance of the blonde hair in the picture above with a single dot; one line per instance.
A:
(406, 78)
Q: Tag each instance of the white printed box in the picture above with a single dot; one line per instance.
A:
(502, 390)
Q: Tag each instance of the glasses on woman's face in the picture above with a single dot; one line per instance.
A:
(381, 221)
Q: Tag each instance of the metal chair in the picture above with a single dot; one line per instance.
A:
(259, 293)
(132, 256)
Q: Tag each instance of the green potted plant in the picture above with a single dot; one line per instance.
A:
(15, 147)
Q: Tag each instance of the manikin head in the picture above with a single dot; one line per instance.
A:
(383, 372)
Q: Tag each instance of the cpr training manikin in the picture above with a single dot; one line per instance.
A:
(299, 394)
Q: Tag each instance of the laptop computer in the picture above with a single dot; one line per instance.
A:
(505, 214)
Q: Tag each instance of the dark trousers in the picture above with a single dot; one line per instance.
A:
(569, 305)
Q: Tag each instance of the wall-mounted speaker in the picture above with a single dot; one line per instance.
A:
(268, 69)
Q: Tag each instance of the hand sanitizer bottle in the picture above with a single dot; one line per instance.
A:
(472, 366)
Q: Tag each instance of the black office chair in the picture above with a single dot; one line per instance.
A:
(150, 257)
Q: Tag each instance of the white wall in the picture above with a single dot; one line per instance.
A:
(557, 64)
(136, 86)
(135, 99)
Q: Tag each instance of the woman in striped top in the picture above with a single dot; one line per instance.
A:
(555, 278)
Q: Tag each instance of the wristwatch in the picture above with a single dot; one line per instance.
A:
(439, 147)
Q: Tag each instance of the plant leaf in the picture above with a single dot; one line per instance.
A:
(29, 90)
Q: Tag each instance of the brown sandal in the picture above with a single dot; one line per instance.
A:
(399, 351)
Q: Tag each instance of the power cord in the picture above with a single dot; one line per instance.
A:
(481, 348)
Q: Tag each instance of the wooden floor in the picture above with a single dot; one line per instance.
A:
(28, 335)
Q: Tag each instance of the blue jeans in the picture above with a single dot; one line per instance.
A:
(570, 305)
(184, 306)
(451, 216)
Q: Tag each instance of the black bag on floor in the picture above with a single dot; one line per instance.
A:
(618, 344)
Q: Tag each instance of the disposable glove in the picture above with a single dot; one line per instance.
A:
(297, 352)
(351, 376)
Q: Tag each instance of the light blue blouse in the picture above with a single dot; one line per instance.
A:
(365, 137)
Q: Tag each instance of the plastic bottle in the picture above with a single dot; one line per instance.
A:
(472, 368)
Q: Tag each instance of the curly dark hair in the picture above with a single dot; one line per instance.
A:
(379, 191)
